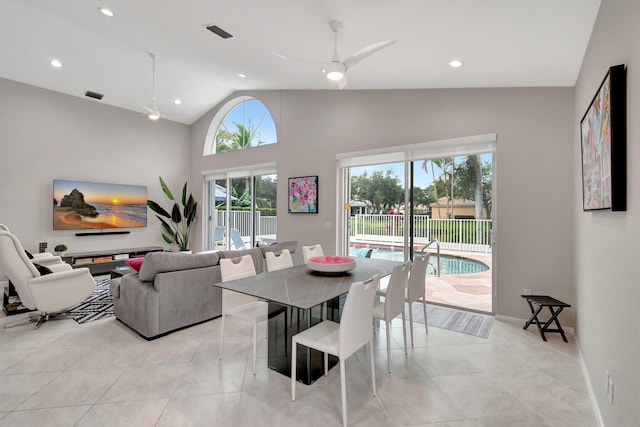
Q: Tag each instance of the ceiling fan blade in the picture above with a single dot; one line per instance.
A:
(342, 83)
(150, 110)
(366, 52)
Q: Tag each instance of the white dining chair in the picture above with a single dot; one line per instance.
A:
(278, 262)
(237, 305)
(393, 304)
(344, 338)
(416, 289)
(311, 251)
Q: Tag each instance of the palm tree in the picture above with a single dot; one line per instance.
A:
(474, 160)
(240, 138)
(445, 178)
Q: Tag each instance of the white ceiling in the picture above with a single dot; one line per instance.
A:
(503, 43)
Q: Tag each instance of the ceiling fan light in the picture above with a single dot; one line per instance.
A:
(153, 116)
(335, 71)
(335, 75)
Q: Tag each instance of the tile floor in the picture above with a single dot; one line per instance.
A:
(103, 374)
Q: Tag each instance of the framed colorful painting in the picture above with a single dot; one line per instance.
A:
(603, 135)
(303, 194)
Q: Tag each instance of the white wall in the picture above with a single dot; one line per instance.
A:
(608, 288)
(534, 174)
(45, 135)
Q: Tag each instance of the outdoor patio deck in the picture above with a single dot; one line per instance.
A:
(471, 291)
(467, 291)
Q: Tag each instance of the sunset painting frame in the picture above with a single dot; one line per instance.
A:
(79, 205)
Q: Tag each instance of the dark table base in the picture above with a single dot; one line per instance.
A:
(310, 363)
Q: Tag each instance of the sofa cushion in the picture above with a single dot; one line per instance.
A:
(256, 254)
(161, 262)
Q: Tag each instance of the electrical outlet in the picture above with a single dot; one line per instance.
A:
(526, 291)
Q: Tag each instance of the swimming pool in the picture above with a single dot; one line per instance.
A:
(449, 264)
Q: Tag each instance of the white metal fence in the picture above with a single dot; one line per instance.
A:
(454, 234)
(265, 225)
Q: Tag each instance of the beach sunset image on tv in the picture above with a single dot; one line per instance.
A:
(78, 205)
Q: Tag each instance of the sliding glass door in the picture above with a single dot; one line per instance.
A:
(377, 211)
(440, 205)
(242, 211)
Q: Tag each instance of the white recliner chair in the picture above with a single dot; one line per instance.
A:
(42, 258)
(49, 294)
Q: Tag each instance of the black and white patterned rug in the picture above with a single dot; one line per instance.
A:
(97, 306)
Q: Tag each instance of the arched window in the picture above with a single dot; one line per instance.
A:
(243, 122)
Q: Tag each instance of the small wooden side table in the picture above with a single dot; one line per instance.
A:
(121, 271)
(555, 307)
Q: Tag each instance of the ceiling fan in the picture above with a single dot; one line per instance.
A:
(152, 112)
(336, 69)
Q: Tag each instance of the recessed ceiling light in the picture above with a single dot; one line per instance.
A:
(244, 76)
(177, 101)
(105, 11)
(455, 63)
(56, 63)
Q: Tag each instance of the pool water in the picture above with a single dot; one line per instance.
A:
(448, 264)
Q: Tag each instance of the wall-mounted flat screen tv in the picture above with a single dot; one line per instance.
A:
(93, 205)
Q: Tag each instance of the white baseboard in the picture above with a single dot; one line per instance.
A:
(567, 329)
(592, 395)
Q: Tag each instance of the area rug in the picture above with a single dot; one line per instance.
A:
(469, 323)
(97, 306)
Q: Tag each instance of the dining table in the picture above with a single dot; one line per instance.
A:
(298, 298)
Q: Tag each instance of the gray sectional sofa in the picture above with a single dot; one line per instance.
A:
(174, 290)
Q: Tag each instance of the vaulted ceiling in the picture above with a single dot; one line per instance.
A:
(284, 44)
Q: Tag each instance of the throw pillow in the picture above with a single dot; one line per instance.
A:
(42, 269)
(135, 263)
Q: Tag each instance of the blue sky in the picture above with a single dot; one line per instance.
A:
(255, 112)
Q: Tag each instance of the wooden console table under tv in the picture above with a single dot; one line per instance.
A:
(102, 262)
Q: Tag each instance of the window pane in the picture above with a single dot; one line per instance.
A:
(247, 125)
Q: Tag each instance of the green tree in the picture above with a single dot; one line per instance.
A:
(473, 181)
(240, 138)
(422, 198)
(442, 178)
(380, 191)
(267, 189)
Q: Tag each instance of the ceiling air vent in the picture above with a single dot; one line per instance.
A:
(94, 95)
(219, 31)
